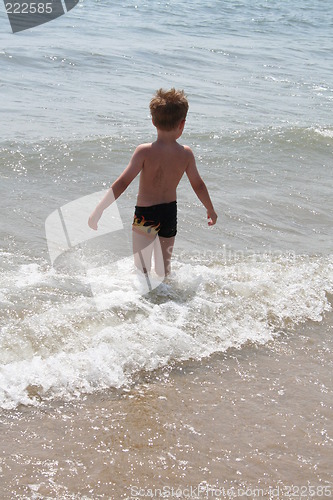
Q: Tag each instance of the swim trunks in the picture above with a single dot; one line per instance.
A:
(157, 219)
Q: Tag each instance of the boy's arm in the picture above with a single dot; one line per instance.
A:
(118, 187)
(200, 189)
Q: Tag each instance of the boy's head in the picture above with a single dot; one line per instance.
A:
(168, 108)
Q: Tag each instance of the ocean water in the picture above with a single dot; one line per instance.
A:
(221, 376)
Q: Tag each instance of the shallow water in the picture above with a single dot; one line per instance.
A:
(255, 419)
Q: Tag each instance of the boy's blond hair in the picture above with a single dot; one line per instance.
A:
(168, 108)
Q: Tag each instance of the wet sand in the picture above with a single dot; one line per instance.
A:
(252, 423)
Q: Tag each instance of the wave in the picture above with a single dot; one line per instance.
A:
(324, 132)
(60, 340)
(53, 154)
(296, 135)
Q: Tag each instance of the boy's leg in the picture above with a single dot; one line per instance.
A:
(142, 251)
(162, 253)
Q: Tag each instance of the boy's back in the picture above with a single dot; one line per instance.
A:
(164, 164)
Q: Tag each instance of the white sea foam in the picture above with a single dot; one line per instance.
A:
(66, 346)
(324, 132)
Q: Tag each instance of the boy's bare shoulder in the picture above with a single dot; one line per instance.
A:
(189, 153)
(143, 148)
(141, 152)
(188, 150)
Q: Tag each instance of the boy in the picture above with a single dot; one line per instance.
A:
(161, 166)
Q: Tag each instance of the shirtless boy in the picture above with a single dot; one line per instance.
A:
(161, 165)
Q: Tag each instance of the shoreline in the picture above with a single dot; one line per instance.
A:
(244, 419)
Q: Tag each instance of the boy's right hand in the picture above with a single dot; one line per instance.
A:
(212, 217)
(93, 220)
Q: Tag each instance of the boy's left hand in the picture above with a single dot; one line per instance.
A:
(212, 216)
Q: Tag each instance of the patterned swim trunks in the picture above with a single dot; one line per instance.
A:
(157, 219)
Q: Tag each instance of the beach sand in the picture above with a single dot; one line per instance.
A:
(253, 422)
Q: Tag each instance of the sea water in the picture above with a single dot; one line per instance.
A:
(221, 374)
